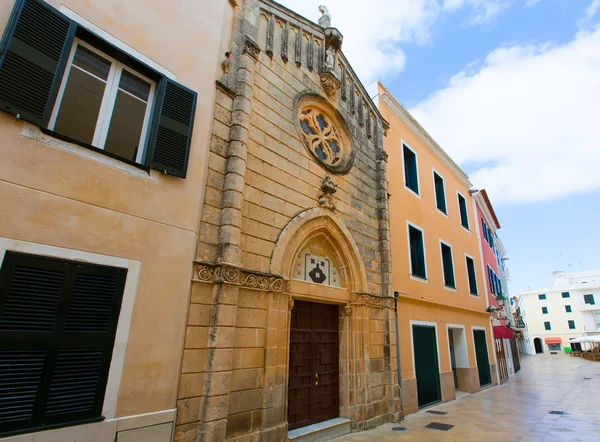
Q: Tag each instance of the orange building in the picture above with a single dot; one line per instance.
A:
(444, 330)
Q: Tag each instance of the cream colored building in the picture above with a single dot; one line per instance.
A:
(101, 180)
(570, 308)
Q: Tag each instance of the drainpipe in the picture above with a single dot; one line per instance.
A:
(396, 294)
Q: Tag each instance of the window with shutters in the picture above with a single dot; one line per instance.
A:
(417, 252)
(544, 310)
(58, 321)
(76, 86)
(471, 275)
(440, 193)
(547, 325)
(104, 103)
(589, 299)
(411, 170)
(464, 216)
(447, 265)
(568, 309)
(572, 325)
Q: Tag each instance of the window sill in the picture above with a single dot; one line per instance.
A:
(419, 278)
(466, 228)
(442, 212)
(62, 137)
(52, 427)
(450, 288)
(412, 191)
(51, 138)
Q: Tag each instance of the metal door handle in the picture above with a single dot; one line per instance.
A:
(317, 378)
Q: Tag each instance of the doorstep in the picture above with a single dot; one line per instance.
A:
(322, 431)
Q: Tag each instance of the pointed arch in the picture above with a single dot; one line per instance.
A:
(314, 223)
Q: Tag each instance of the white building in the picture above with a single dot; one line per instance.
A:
(568, 309)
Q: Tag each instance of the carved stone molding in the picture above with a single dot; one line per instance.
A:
(333, 38)
(382, 155)
(290, 303)
(329, 188)
(330, 81)
(347, 310)
(251, 48)
(372, 300)
(219, 273)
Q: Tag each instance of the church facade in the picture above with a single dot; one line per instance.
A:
(291, 317)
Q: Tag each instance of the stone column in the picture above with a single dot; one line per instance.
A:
(223, 314)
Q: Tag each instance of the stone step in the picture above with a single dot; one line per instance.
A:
(323, 431)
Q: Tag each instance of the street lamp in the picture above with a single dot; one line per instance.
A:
(501, 300)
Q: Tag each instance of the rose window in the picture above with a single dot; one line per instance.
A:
(324, 136)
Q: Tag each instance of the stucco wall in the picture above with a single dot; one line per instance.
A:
(58, 194)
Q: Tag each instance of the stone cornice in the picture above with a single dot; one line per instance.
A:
(481, 202)
(223, 273)
(399, 110)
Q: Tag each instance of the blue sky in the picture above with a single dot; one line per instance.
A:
(511, 90)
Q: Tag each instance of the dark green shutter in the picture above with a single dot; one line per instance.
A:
(169, 144)
(464, 217)
(472, 277)
(58, 322)
(481, 354)
(33, 55)
(440, 195)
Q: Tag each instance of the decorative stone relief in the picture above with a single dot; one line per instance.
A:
(284, 42)
(372, 300)
(329, 188)
(225, 66)
(251, 48)
(298, 48)
(382, 155)
(290, 303)
(317, 263)
(233, 275)
(270, 32)
(347, 310)
(330, 82)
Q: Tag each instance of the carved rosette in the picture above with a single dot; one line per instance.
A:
(251, 48)
(232, 275)
(373, 300)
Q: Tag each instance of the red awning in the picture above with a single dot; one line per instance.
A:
(501, 331)
(552, 340)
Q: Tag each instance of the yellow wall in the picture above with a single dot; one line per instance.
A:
(430, 300)
(69, 197)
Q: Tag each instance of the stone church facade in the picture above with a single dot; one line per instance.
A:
(291, 315)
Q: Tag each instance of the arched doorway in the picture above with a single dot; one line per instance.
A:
(332, 341)
(539, 346)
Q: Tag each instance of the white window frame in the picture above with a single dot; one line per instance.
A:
(474, 295)
(403, 144)
(446, 287)
(413, 277)
(433, 174)
(468, 229)
(108, 99)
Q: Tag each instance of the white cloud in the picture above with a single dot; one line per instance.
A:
(374, 30)
(526, 120)
(589, 14)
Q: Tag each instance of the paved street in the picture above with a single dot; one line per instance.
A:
(516, 411)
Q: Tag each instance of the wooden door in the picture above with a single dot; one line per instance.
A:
(426, 365)
(501, 356)
(313, 394)
(516, 356)
(481, 354)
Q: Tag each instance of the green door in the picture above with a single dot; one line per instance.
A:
(426, 365)
(481, 353)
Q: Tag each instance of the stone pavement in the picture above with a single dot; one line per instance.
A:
(519, 410)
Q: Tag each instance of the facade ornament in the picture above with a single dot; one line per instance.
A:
(251, 48)
(330, 82)
(328, 187)
(290, 303)
(325, 19)
(382, 155)
(226, 65)
(219, 273)
(373, 300)
(329, 59)
(348, 310)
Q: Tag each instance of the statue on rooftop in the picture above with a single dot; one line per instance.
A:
(325, 19)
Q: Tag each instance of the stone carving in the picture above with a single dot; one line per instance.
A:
(251, 48)
(290, 303)
(226, 65)
(372, 300)
(284, 42)
(232, 275)
(310, 53)
(348, 310)
(330, 81)
(298, 48)
(329, 188)
(382, 155)
(270, 32)
(329, 59)
(325, 19)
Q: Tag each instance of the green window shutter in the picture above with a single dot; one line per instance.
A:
(571, 324)
(547, 325)
(472, 277)
(171, 134)
(411, 177)
(58, 322)
(464, 217)
(440, 194)
(33, 56)
(491, 280)
(448, 266)
(568, 309)
(544, 310)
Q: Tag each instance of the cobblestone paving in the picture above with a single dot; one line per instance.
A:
(519, 410)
